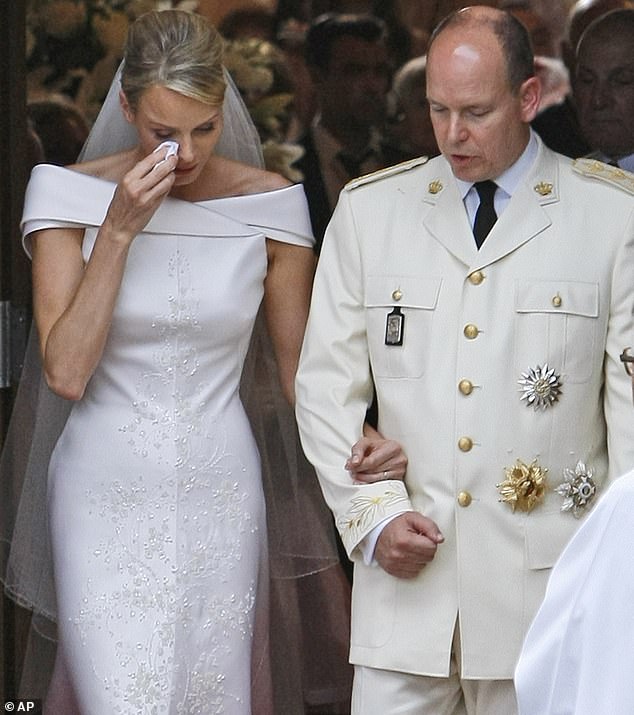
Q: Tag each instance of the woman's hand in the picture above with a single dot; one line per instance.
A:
(374, 458)
(139, 194)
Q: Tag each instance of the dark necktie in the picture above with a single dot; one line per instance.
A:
(485, 215)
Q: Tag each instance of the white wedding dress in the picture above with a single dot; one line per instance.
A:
(156, 508)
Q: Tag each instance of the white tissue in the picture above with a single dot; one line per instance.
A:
(172, 150)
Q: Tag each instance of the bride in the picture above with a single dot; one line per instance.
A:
(149, 267)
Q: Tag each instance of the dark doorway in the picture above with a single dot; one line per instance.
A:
(15, 288)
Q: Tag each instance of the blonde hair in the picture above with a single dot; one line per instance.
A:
(174, 49)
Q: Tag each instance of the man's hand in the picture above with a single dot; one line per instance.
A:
(407, 544)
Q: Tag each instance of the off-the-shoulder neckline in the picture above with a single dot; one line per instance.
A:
(278, 190)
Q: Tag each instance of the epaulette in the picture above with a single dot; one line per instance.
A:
(596, 169)
(388, 171)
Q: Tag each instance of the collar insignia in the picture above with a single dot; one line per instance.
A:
(544, 188)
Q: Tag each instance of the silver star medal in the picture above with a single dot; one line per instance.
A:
(540, 387)
(578, 489)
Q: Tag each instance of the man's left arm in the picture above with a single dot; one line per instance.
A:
(617, 396)
(334, 384)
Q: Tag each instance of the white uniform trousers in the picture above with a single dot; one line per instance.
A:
(385, 692)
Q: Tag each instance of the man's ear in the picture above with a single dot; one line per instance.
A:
(125, 107)
(530, 94)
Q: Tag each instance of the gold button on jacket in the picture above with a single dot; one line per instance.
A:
(471, 331)
(465, 444)
(464, 498)
(465, 386)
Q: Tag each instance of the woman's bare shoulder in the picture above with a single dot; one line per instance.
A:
(110, 168)
(227, 177)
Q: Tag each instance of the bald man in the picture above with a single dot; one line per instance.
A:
(487, 294)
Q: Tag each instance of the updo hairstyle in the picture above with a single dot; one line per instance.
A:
(174, 49)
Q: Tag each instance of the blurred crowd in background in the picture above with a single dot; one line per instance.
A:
(336, 87)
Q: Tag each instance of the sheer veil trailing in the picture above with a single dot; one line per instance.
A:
(301, 539)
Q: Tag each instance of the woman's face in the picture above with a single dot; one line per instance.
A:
(164, 114)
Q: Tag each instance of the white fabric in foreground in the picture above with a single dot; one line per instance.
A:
(577, 656)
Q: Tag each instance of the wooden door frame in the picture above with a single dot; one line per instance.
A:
(15, 287)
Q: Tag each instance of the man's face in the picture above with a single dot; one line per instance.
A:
(481, 125)
(355, 84)
(604, 94)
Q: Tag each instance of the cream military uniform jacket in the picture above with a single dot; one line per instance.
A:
(497, 370)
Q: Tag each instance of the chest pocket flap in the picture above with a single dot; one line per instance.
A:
(417, 299)
(557, 323)
(572, 298)
(402, 291)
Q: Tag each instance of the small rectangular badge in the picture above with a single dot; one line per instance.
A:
(394, 326)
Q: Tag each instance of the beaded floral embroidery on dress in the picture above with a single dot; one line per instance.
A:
(174, 542)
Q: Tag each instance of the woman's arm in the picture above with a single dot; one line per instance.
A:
(73, 301)
(287, 298)
(374, 458)
(287, 291)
